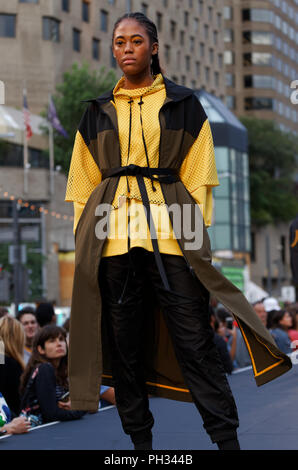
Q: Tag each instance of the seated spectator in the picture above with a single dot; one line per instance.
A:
(271, 306)
(293, 331)
(220, 343)
(13, 336)
(281, 323)
(260, 310)
(11, 426)
(45, 314)
(236, 344)
(3, 311)
(28, 319)
(107, 396)
(45, 381)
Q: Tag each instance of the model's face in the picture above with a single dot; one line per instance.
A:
(30, 325)
(54, 348)
(132, 48)
(261, 312)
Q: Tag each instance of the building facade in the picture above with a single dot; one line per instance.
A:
(261, 59)
(40, 40)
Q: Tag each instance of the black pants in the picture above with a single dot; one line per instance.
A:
(191, 334)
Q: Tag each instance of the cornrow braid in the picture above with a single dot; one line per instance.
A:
(151, 31)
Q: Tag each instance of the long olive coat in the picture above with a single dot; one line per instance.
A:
(181, 119)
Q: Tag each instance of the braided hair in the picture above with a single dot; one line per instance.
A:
(151, 31)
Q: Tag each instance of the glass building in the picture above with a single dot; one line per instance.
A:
(230, 230)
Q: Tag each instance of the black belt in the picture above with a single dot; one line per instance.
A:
(164, 175)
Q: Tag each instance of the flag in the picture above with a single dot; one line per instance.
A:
(26, 111)
(54, 120)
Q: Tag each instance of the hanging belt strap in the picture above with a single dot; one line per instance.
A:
(164, 175)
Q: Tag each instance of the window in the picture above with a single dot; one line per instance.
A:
(215, 37)
(228, 13)
(187, 62)
(228, 57)
(76, 39)
(196, 25)
(159, 21)
(230, 79)
(259, 81)
(186, 18)
(65, 5)
(104, 20)
(216, 79)
(182, 35)
(144, 9)
(206, 31)
(192, 43)
(257, 14)
(85, 11)
(95, 48)
(231, 102)
(28, 1)
(198, 68)
(167, 53)
(257, 58)
(51, 29)
(257, 102)
(207, 74)
(211, 55)
(228, 35)
(257, 37)
(7, 26)
(202, 49)
(173, 28)
(113, 61)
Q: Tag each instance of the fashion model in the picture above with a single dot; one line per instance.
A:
(141, 179)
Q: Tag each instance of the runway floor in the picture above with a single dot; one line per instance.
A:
(268, 421)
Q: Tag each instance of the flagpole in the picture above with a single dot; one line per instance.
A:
(51, 154)
(25, 156)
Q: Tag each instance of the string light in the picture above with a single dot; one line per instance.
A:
(34, 207)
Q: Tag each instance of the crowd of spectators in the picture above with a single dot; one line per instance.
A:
(33, 374)
(282, 323)
(33, 371)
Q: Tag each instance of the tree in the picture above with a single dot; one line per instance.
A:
(79, 83)
(272, 165)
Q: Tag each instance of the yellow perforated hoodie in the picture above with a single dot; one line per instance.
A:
(198, 173)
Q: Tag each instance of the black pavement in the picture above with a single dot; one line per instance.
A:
(268, 421)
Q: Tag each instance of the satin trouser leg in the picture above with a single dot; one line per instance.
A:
(124, 326)
(186, 313)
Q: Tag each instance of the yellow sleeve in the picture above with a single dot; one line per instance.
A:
(83, 177)
(198, 171)
(78, 209)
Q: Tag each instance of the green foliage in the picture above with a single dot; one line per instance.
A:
(79, 83)
(34, 264)
(273, 165)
